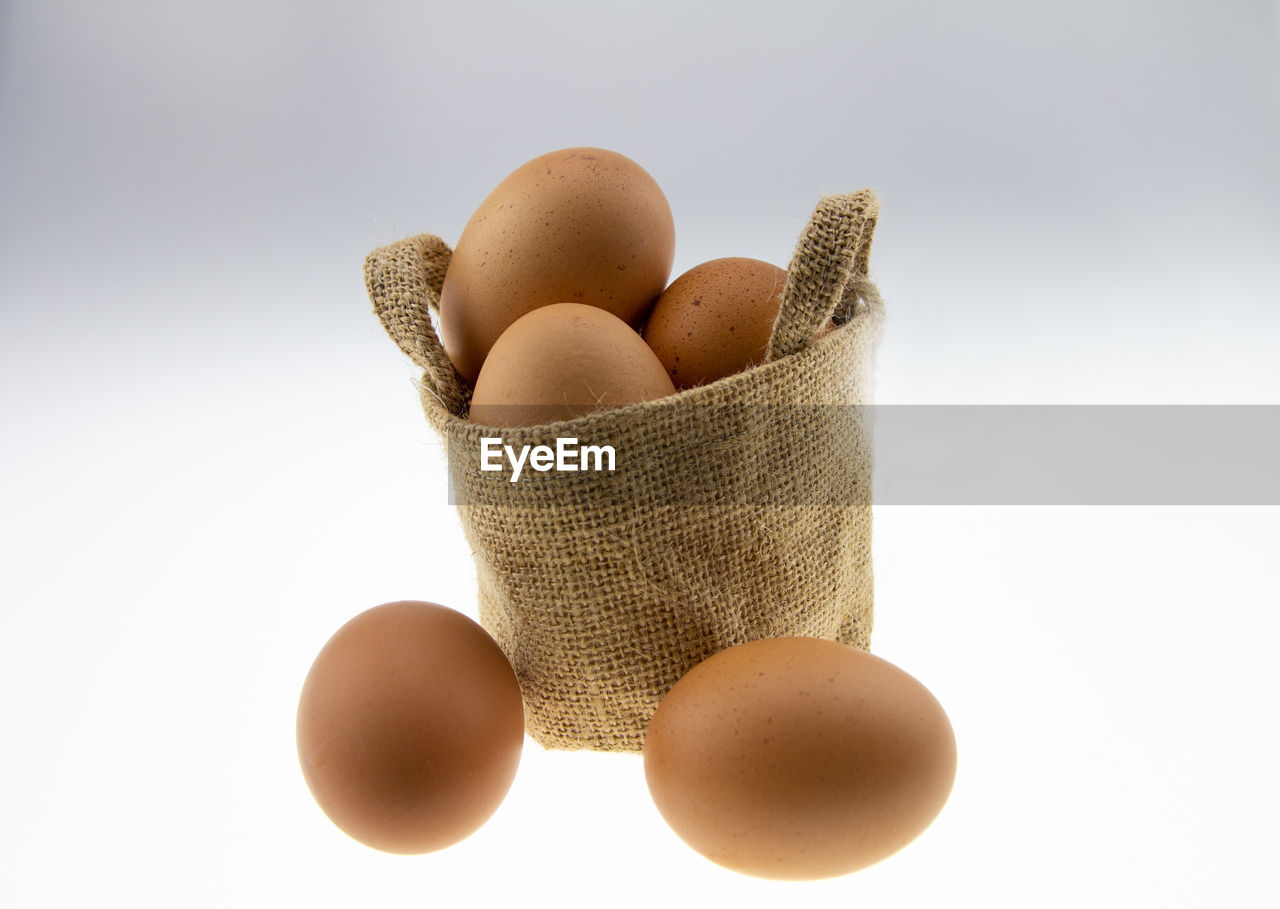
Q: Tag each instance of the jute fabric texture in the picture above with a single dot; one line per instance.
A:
(737, 510)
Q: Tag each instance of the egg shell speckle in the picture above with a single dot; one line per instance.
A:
(562, 361)
(579, 225)
(715, 319)
(798, 758)
(410, 727)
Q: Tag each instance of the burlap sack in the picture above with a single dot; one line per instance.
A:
(737, 510)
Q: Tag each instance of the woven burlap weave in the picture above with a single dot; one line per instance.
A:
(738, 509)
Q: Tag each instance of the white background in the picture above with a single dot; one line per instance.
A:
(212, 456)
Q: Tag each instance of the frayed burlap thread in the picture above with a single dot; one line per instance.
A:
(739, 509)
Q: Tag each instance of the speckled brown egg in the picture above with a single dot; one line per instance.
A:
(798, 758)
(715, 319)
(410, 727)
(562, 361)
(579, 225)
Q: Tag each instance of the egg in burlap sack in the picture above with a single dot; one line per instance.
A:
(737, 510)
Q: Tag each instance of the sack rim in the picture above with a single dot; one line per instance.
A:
(864, 325)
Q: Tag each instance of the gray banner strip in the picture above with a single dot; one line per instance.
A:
(1076, 454)
(920, 455)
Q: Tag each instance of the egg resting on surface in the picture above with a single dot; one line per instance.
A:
(562, 361)
(410, 727)
(798, 758)
(578, 225)
(715, 319)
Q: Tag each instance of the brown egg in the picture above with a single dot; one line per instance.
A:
(798, 758)
(410, 727)
(579, 225)
(562, 361)
(715, 319)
